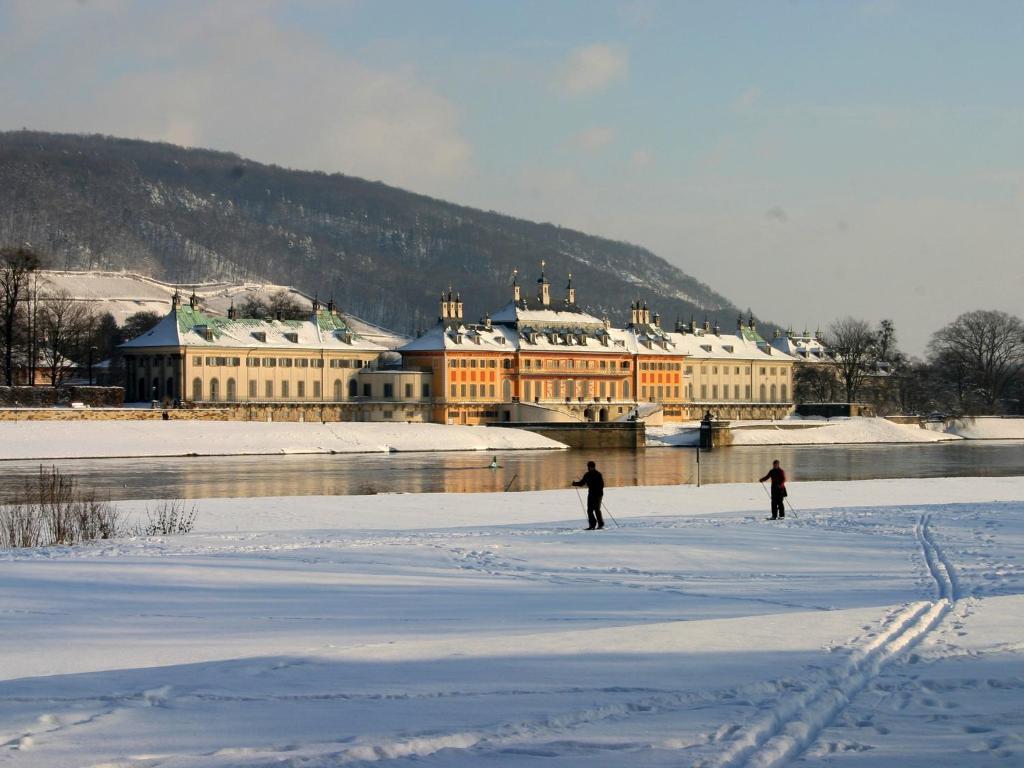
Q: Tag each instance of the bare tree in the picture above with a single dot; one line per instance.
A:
(16, 267)
(987, 348)
(853, 345)
(67, 325)
(814, 383)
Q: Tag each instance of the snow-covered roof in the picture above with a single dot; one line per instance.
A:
(803, 347)
(643, 340)
(122, 294)
(533, 313)
(189, 326)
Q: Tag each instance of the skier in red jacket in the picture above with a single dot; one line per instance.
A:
(778, 477)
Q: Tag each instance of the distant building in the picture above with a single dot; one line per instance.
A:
(536, 359)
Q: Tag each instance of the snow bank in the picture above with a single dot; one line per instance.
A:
(798, 431)
(988, 428)
(100, 439)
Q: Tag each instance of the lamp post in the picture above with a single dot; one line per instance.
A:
(92, 351)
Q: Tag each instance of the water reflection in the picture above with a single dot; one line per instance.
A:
(199, 477)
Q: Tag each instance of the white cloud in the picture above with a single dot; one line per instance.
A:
(641, 158)
(228, 76)
(594, 138)
(747, 101)
(593, 68)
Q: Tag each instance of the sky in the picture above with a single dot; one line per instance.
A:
(810, 160)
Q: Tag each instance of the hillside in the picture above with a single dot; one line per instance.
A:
(187, 215)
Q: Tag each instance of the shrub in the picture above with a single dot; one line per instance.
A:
(170, 517)
(51, 509)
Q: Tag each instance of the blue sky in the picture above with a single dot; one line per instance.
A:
(810, 160)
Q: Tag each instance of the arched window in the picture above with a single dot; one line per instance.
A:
(214, 390)
(506, 391)
(764, 393)
(352, 388)
(785, 393)
(774, 393)
(232, 395)
(197, 389)
(625, 390)
(337, 389)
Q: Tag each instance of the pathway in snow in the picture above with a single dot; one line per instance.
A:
(783, 733)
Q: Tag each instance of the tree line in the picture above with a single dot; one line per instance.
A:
(973, 365)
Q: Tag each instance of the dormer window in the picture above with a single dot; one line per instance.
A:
(706, 347)
(260, 336)
(292, 337)
(728, 348)
(205, 331)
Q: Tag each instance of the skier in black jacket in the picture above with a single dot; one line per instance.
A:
(778, 477)
(595, 493)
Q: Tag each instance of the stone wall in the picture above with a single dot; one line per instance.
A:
(48, 397)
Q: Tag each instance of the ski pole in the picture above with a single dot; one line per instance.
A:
(582, 506)
(608, 512)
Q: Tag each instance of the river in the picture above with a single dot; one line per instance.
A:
(467, 472)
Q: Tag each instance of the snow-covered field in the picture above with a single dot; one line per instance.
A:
(881, 625)
(798, 431)
(99, 439)
(986, 428)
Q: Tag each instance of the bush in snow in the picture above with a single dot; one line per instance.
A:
(170, 517)
(51, 509)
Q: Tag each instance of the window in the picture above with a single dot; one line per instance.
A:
(253, 362)
(785, 393)
(462, 390)
(774, 394)
(300, 389)
(763, 393)
(714, 391)
(736, 392)
(284, 389)
(462, 363)
(252, 389)
(408, 390)
(472, 390)
(527, 390)
(714, 370)
(689, 370)
(625, 390)
(453, 363)
(746, 392)
(337, 389)
(302, 362)
(214, 390)
(367, 391)
(269, 388)
(316, 389)
(737, 371)
(492, 363)
(773, 371)
(425, 390)
(625, 366)
(472, 363)
(762, 371)
(232, 395)
(197, 389)
(490, 390)
(197, 361)
(453, 390)
(284, 362)
(353, 388)
(269, 362)
(389, 390)
(703, 391)
(506, 364)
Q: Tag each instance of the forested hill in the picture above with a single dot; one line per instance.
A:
(94, 202)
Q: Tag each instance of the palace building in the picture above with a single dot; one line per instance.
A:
(536, 359)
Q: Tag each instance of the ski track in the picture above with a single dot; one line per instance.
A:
(783, 733)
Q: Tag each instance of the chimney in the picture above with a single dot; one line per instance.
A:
(707, 325)
(657, 320)
(487, 321)
(331, 306)
(176, 300)
(232, 312)
(193, 300)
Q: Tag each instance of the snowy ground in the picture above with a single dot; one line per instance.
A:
(986, 428)
(797, 431)
(99, 439)
(881, 625)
